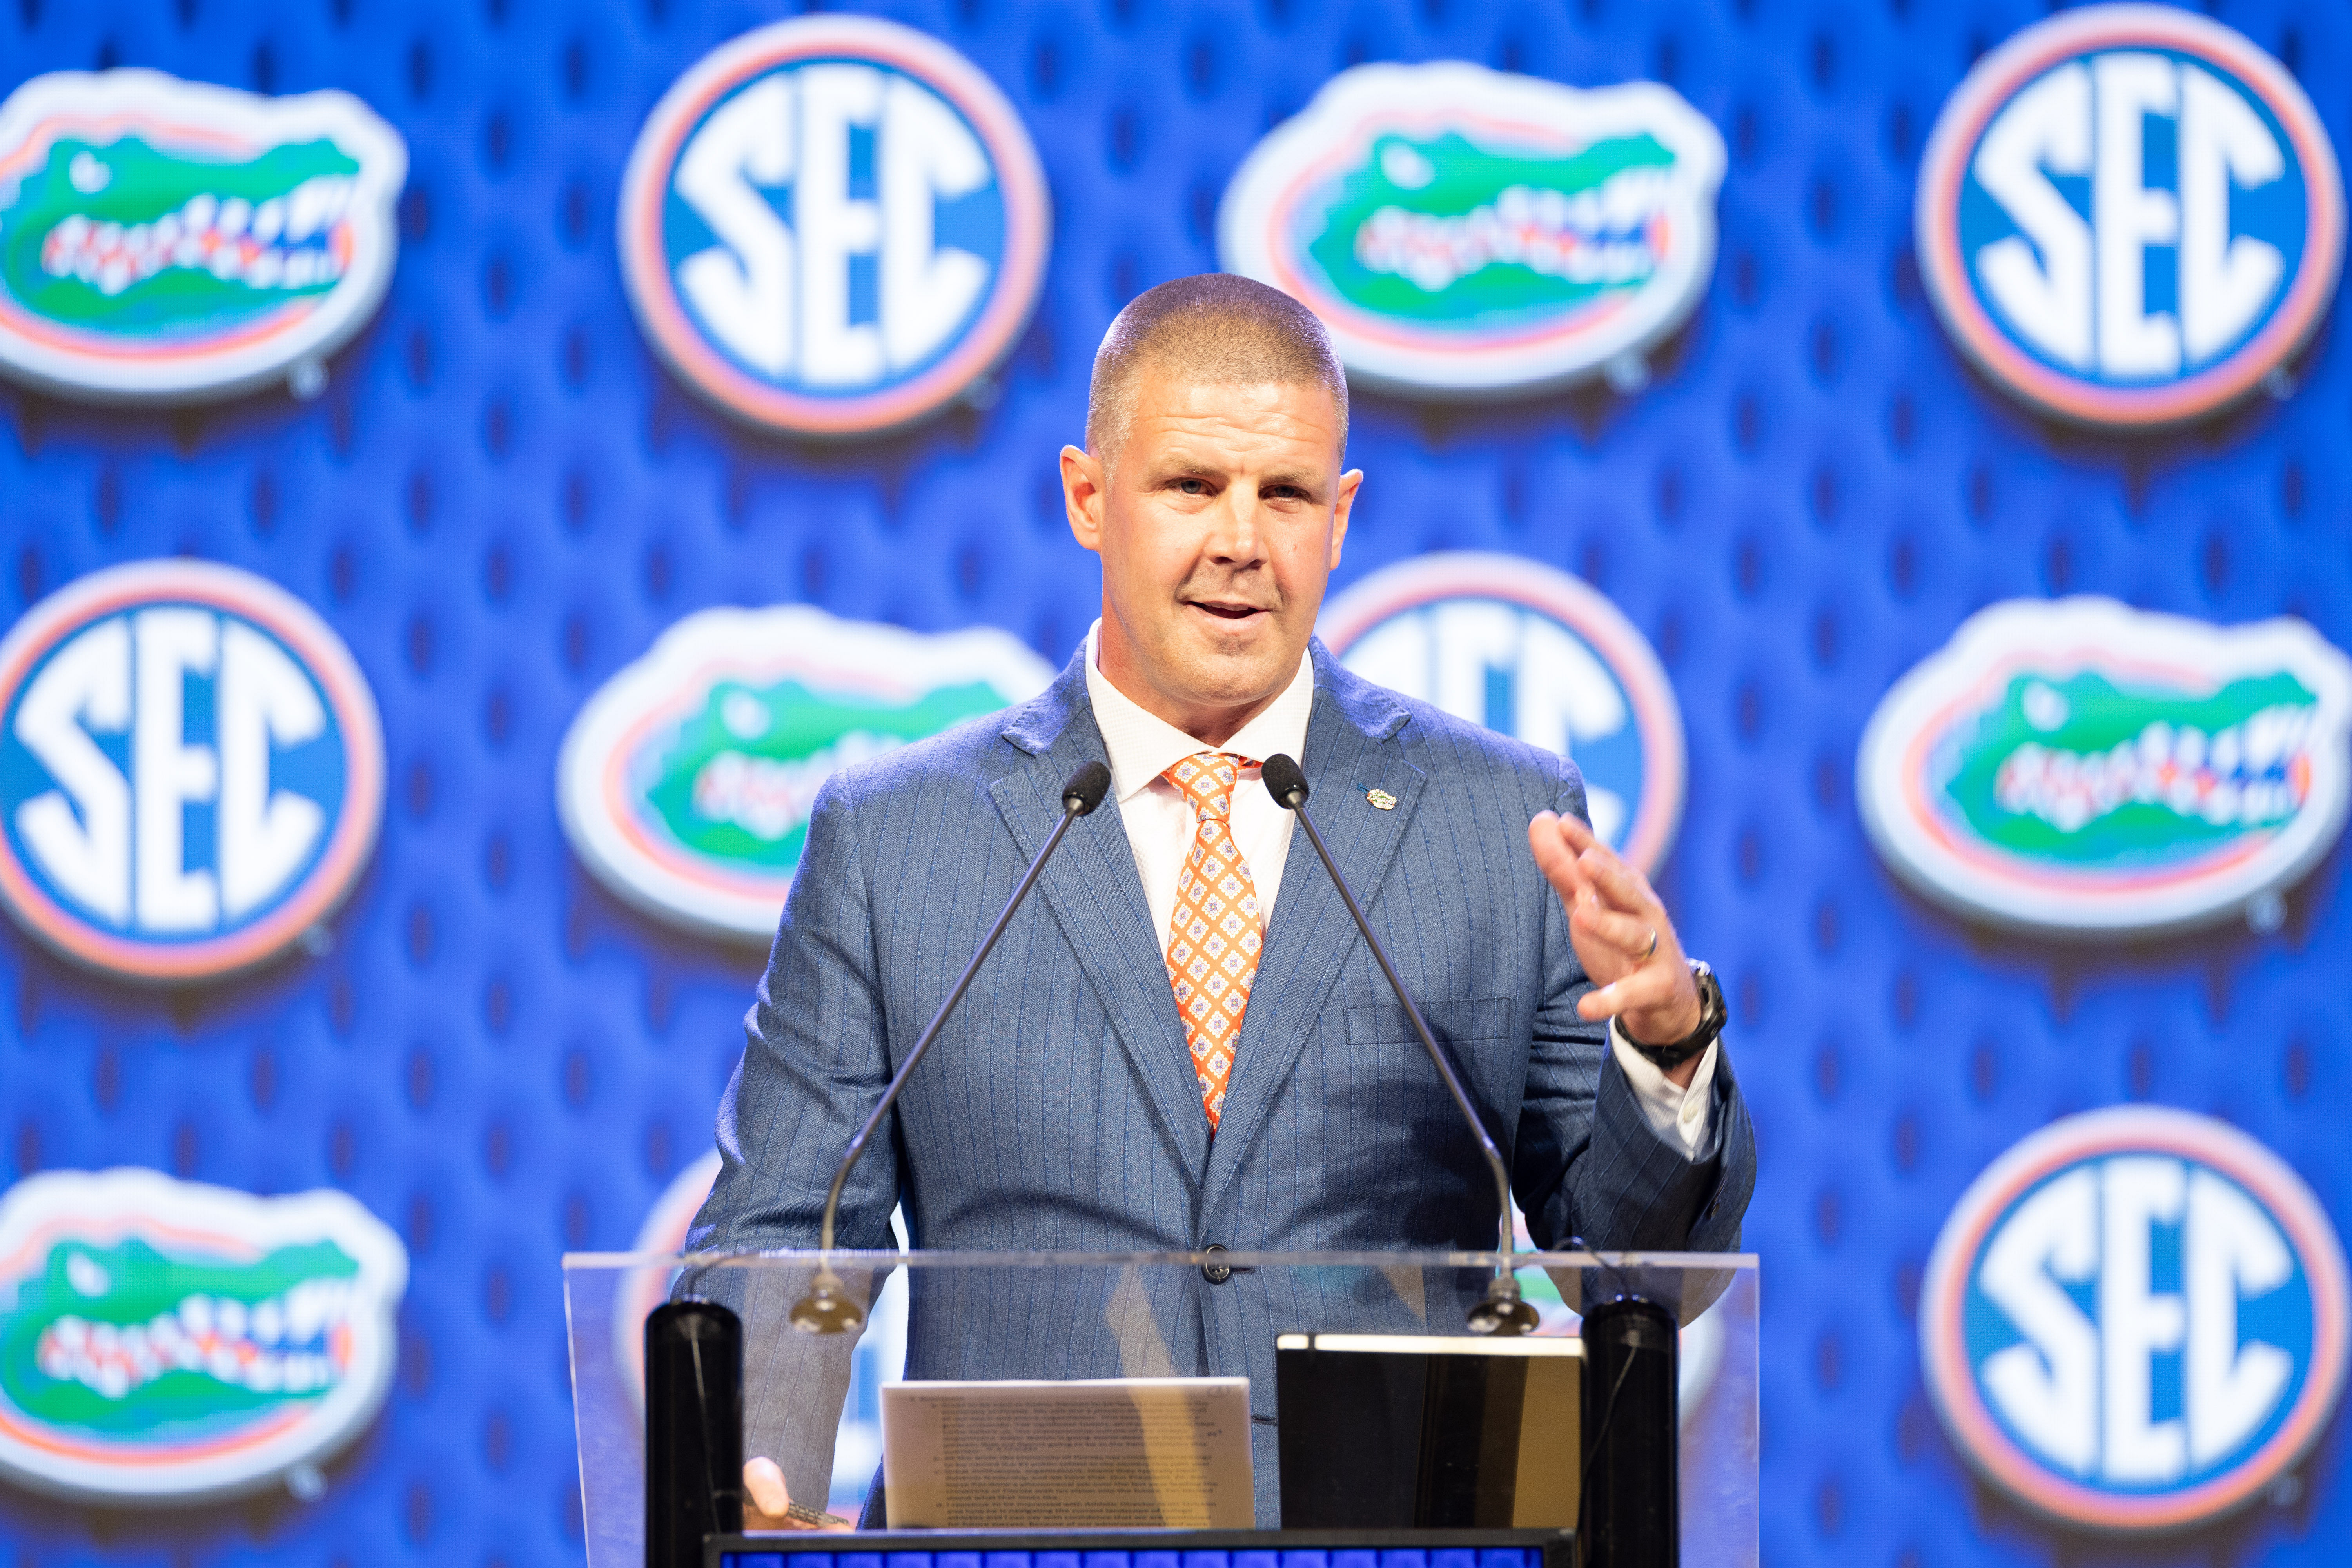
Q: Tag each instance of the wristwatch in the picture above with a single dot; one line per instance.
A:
(1712, 1015)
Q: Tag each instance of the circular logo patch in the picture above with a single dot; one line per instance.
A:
(191, 770)
(1467, 231)
(833, 225)
(2130, 216)
(1534, 654)
(2134, 1320)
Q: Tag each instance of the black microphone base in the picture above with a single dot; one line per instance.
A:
(694, 1429)
(1632, 1499)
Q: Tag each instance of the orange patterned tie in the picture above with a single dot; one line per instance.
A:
(1214, 937)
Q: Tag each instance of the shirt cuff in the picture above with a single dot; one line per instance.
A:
(1680, 1116)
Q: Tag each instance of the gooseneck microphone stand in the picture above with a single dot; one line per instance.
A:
(1502, 1311)
(827, 1308)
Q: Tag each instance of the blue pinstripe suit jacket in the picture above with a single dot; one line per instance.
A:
(1058, 1108)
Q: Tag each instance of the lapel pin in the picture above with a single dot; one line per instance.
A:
(1381, 799)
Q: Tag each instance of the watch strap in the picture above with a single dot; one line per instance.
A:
(1711, 1018)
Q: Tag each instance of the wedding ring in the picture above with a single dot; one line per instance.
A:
(1652, 951)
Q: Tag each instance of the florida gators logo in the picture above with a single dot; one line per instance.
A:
(1475, 233)
(2130, 216)
(833, 225)
(163, 239)
(163, 1342)
(2078, 766)
(685, 782)
(2134, 1320)
(191, 770)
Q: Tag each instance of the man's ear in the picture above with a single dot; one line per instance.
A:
(1349, 482)
(1083, 487)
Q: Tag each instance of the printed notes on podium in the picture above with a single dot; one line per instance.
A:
(1118, 1453)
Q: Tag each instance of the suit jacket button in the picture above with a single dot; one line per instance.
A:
(1214, 1273)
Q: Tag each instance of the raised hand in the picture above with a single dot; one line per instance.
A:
(1621, 935)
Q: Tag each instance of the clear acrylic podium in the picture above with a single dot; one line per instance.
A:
(813, 1401)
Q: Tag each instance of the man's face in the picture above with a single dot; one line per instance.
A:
(1218, 523)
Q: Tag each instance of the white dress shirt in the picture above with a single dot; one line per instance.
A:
(1160, 827)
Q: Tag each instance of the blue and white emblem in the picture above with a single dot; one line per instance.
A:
(1530, 652)
(191, 770)
(2134, 1320)
(834, 225)
(2130, 215)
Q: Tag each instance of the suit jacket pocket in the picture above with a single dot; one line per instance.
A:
(1452, 1020)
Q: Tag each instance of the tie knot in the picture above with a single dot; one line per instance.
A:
(1207, 780)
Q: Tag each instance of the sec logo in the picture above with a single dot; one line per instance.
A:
(2130, 216)
(833, 225)
(191, 770)
(1530, 652)
(2134, 1320)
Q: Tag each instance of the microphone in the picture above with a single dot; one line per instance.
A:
(1502, 1311)
(826, 1309)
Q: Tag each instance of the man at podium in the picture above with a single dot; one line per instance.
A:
(1181, 1041)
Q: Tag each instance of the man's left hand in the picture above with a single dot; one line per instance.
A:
(1622, 937)
(768, 1503)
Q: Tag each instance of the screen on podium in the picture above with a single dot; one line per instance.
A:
(1360, 1549)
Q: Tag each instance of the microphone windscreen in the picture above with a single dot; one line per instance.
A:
(1087, 788)
(1284, 781)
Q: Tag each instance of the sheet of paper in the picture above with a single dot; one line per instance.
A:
(1115, 1453)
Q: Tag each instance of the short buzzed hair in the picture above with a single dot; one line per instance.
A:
(1214, 330)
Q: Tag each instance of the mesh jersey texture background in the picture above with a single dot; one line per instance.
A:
(501, 497)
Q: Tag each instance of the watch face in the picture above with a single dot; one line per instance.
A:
(1712, 1012)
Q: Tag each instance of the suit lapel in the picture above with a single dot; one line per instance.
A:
(1350, 750)
(1096, 897)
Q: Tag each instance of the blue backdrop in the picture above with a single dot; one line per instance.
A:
(501, 498)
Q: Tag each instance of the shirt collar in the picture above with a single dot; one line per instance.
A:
(1142, 745)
